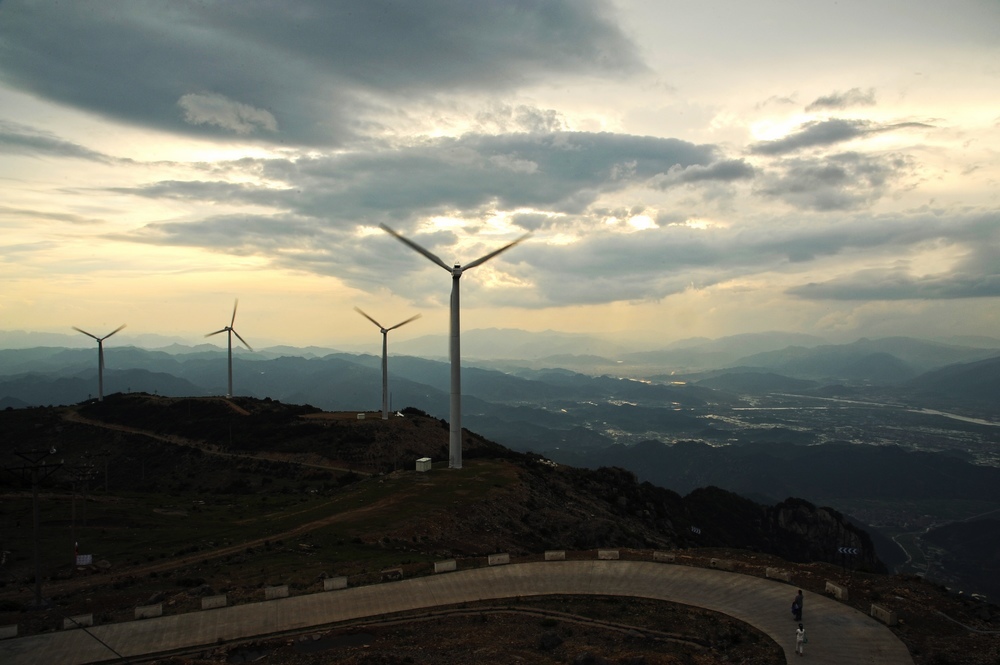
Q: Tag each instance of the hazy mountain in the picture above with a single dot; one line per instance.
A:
(685, 356)
(886, 360)
(495, 343)
(45, 390)
(975, 383)
(23, 339)
(815, 472)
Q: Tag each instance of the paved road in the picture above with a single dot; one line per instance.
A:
(838, 634)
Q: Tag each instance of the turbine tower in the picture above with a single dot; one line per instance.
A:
(455, 434)
(100, 358)
(232, 331)
(385, 362)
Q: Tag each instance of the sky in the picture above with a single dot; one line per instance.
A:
(684, 169)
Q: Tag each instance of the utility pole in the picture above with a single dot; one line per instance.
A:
(82, 474)
(38, 471)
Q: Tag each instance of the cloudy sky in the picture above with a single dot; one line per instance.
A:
(684, 168)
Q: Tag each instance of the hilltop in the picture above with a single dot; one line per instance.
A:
(189, 494)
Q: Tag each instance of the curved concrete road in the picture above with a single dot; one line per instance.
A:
(837, 633)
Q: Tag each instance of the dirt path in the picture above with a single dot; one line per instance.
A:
(82, 583)
(79, 584)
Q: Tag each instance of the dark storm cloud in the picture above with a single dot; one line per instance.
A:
(210, 191)
(729, 170)
(298, 71)
(305, 244)
(826, 133)
(649, 265)
(843, 100)
(18, 139)
(845, 181)
(977, 274)
(560, 173)
(238, 234)
(899, 284)
(321, 202)
(603, 264)
(505, 118)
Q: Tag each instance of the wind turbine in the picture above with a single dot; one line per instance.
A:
(455, 434)
(100, 358)
(232, 331)
(385, 362)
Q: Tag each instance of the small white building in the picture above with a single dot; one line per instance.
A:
(424, 464)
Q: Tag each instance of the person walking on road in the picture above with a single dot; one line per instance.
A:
(797, 606)
(800, 640)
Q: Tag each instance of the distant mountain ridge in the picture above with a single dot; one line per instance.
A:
(520, 402)
(885, 360)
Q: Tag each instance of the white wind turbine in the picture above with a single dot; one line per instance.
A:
(100, 358)
(385, 362)
(455, 433)
(232, 331)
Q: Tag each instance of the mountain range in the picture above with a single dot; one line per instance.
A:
(885, 430)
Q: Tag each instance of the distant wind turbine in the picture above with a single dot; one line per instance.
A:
(232, 331)
(385, 361)
(100, 358)
(455, 434)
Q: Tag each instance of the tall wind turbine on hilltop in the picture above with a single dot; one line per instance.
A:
(232, 331)
(100, 358)
(455, 434)
(385, 361)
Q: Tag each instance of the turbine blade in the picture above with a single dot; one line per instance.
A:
(361, 312)
(484, 259)
(412, 318)
(86, 333)
(242, 340)
(217, 332)
(415, 247)
(235, 305)
(114, 331)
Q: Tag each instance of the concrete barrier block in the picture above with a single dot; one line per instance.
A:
(78, 621)
(499, 559)
(445, 566)
(837, 591)
(149, 611)
(722, 564)
(664, 557)
(334, 583)
(555, 555)
(778, 574)
(608, 555)
(8, 631)
(212, 602)
(885, 615)
(273, 592)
